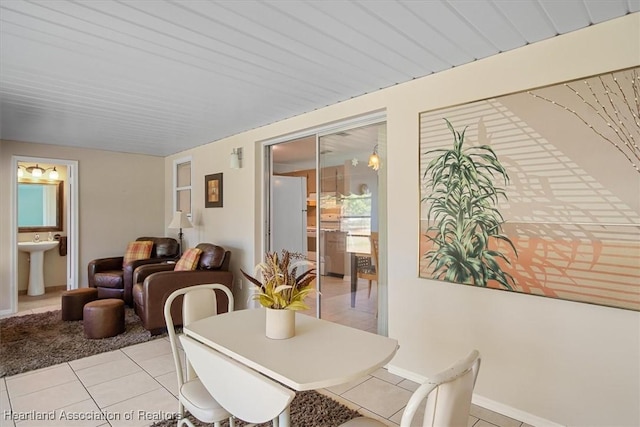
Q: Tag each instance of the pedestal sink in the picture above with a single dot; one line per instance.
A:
(36, 268)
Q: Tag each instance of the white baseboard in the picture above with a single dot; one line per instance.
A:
(511, 412)
(406, 374)
(486, 403)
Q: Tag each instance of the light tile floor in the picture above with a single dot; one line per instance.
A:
(136, 386)
(336, 303)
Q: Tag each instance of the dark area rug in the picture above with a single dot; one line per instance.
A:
(39, 340)
(308, 409)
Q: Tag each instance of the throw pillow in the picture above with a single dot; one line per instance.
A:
(140, 249)
(188, 260)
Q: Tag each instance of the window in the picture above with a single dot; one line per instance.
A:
(182, 186)
(356, 222)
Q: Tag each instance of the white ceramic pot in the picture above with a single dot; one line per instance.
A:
(280, 324)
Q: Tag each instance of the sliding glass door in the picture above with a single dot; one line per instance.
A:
(341, 206)
(348, 206)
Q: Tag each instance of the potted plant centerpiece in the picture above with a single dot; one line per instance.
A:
(282, 290)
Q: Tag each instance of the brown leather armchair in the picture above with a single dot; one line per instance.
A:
(113, 280)
(154, 283)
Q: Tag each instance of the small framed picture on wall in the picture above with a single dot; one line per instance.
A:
(213, 190)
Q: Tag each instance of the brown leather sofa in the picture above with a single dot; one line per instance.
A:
(154, 283)
(113, 280)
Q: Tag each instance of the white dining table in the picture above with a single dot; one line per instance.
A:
(321, 354)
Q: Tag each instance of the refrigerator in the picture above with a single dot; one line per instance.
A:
(289, 214)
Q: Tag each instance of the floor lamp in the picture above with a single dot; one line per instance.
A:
(180, 220)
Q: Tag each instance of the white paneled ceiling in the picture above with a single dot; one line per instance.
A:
(161, 76)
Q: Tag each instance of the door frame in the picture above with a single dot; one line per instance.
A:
(371, 118)
(71, 222)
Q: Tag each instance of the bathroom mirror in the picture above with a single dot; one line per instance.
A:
(39, 206)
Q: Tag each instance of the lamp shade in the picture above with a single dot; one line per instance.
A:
(180, 220)
(374, 161)
(35, 171)
(234, 162)
(54, 173)
(236, 156)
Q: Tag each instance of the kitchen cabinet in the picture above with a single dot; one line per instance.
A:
(332, 180)
(334, 252)
(310, 174)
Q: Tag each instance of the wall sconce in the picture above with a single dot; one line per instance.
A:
(374, 159)
(236, 158)
(38, 172)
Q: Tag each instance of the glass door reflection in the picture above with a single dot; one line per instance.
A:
(347, 214)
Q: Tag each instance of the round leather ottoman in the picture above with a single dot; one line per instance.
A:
(104, 318)
(73, 302)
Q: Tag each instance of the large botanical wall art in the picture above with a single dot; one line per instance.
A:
(537, 192)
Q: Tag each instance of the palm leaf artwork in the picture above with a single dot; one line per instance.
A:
(281, 286)
(463, 219)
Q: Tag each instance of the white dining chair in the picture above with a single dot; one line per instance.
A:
(248, 395)
(446, 397)
(198, 302)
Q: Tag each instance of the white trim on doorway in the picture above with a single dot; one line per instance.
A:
(71, 223)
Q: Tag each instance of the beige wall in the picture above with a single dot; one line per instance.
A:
(544, 359)
(121, 197)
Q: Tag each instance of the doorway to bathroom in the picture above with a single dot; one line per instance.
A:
(45, 191)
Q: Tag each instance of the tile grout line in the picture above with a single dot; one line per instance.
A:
(89, 393)
(148, 373)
